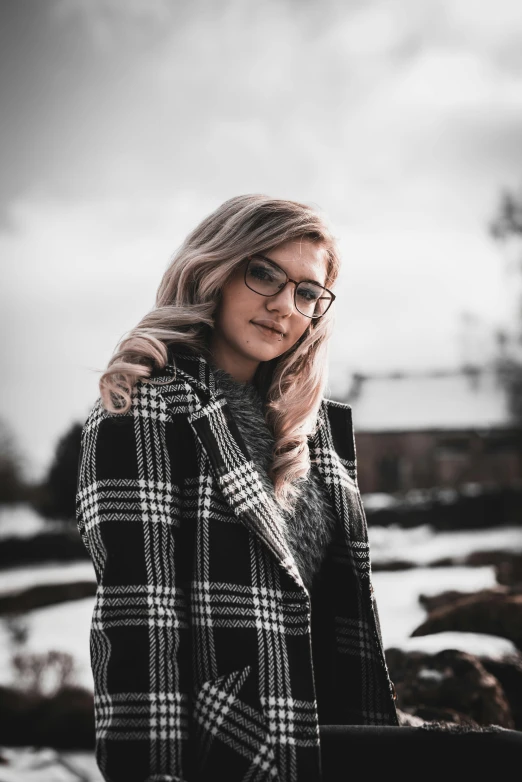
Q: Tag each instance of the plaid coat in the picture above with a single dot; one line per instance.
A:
(201, 633)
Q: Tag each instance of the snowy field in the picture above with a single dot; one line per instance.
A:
(26, 764)
(400, 612)
(397, 592)
(65, 627)
(21, 521)
(422, 545)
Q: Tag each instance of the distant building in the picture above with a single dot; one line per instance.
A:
(440, 428)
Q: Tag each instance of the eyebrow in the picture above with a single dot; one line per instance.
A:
(266, 258)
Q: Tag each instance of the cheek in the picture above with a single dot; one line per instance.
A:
(232, 308)
(300, 329)
(225, 320)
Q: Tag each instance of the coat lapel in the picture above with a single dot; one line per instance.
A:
(332, 450)
(230, 461)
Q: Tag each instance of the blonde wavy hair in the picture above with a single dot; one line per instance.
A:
(186, 303)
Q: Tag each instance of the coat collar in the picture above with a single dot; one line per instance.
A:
(236, 473)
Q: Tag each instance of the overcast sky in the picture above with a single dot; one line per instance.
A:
(124, 122)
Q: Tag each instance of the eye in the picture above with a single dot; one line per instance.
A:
(260, 271)
(308, 293)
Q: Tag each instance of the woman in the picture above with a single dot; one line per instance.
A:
(218, 499)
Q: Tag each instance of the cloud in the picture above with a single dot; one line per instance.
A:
(275, 96)
(126, 123)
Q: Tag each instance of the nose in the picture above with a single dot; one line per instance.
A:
(282, 302)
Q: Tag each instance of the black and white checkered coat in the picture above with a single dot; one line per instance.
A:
(201, 633)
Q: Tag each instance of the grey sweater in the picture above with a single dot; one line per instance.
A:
(310, 527)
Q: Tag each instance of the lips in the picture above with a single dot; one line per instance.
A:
(269, 328)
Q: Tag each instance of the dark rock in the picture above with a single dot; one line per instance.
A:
(509, 571)
(67, 719)
(45, 595)
(449, 686)
(482, 558)
(16, 713)
(506, 561)
(432, 602)
(393, 564)
(492, 506)
(443, 562)
(508, 566)
(62, 721)
(494, 612)
(508, 671)
(65, 546)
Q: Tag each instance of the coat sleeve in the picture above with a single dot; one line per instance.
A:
(128, 511)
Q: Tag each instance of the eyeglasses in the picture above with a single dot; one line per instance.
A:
(265, 277)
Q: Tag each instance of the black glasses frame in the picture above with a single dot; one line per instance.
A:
(288, 279)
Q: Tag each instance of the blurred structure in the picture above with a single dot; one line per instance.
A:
(11, 481)
(439, 428)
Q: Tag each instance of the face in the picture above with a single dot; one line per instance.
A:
(248, 326)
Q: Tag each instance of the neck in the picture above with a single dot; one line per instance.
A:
(237, 373)
(238, 367)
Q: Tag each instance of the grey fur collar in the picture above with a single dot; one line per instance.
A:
(310, 527)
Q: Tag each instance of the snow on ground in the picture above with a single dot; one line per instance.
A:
(479, 644)
(397, 595)
(64, 627)
(424, 544)
(58, 573)
(22, 521)
(27, 764)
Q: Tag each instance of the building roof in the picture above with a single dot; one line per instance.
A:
(472, 398)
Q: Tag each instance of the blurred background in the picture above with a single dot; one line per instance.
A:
(125, 122)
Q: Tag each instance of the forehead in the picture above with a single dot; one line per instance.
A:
(301, 259)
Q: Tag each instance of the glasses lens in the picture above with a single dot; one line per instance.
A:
(267, 279)
(264, 278)
(311, 299)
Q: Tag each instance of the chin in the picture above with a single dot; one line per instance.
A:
(265, 353)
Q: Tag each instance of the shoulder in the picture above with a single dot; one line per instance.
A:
(333, 404)
(146, 402)
(161, 399)
(337, 417)
(98, 416)
(338, 414)
(156, 429)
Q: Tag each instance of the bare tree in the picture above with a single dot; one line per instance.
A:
(11, 483)
(60, 484)
(507, 222)
(505, 227)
